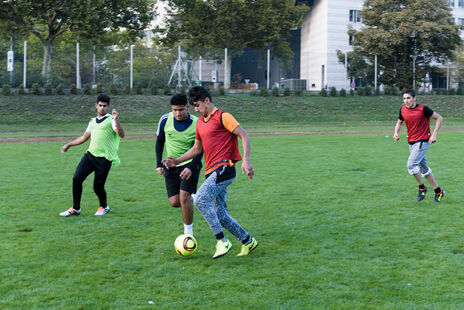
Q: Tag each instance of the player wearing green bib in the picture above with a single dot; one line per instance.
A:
(104, 132)
(175, 135)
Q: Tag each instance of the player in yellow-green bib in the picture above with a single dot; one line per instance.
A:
(104, 132)
(175, 135)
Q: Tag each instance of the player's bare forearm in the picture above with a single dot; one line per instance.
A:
(119, 130)
(75, 142)
(397, 130)
(247, 168)
(195, 150)
(439, 121)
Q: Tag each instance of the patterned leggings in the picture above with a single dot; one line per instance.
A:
(210, 200)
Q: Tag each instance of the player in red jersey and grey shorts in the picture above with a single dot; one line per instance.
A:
(417, 119)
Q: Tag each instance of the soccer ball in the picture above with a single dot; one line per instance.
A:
(185, 245)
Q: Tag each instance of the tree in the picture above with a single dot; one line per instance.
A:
(48, 19)
(205, 28)
(404, 33)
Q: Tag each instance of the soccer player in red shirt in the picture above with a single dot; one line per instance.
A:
(417, 119)
(216, 135)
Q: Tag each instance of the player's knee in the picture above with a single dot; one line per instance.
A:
(427, 173)
(413, 168)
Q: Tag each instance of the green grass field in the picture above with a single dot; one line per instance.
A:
(335, 216)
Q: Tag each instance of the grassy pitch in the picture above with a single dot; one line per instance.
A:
(335, 216)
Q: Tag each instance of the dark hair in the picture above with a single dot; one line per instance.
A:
(179, 99)
(410, 92)
(198, 93)
(103, 98)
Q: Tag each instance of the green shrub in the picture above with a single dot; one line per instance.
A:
(275, 92)
(21, 90)
(87, 89)
(35, 90)
(167, 90)
(451, 92)
(323, 92)
(138, 89)
(360, 91)
(126, 89)
(351, 92)
(113, 89)
(99, 89)
(333, 91)
(342, 92)
(154, 90)
(367, 91)
(73, 89)
(48, 89)
(287, 92)
(263, 92)
(395, 91)
(59, 89)
(253, 92)
(377, 91)
(221, 91)
(445, 92)
(298, 92)
(6, 90)
(459, 91)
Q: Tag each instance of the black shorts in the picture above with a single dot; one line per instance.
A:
(174, 183)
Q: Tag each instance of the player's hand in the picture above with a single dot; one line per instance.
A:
(396, 137)
(248, 169)
(169, 162)
(185, 174)
(160, 170)
(115, 114)
(64, 148)
(432, 139)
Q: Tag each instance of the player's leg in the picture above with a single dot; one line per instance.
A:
(204, 203)
(172, 183)
(248, 243)
(102, 168)
(187, 187)
(416, 155)
(83, 169)
(427, 173)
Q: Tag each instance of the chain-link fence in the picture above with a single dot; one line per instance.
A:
(104, 65)
(110, 66)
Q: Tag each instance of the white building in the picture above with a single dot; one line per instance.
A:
(324, 31)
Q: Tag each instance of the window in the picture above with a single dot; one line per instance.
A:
(451, 3)
(461, 4)
(350, 40)
(460, 21)
(355, 16)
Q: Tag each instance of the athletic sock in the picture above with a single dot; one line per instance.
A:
(247, 240)
(422, 186)
(437, 190)
(221, 237)
(188, 229)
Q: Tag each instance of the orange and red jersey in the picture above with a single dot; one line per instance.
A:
(417, 122)
(220, 145)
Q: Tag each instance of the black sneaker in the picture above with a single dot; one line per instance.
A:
(422, 193)
(439, 196)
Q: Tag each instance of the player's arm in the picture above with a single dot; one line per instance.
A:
(195, 150)
(117, 125)
(246, 164)
(397, 130)
(439, 119)
(159, 145)
(75, 142)
(194, 164)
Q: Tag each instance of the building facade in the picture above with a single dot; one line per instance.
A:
(324, 31)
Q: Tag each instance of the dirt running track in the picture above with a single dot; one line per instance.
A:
(256, 134)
